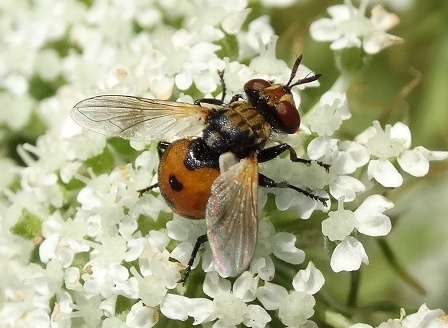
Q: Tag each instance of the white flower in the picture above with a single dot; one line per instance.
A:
(228, 305)
(309, 281)
(281, 244)
(328, 115)
(253, 41)
(187, 232)
(368, 219)
(62, 239)
(141, 316)
(423, 318)
(394, 144)
(311, 177)
(295, 307)
(180, 308)
(344, 157)
(349, 27)
(102, 280)
(348, 255)
(89, 309)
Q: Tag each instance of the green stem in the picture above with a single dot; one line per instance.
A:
(332, 318)
(397, 267)
(354, 288)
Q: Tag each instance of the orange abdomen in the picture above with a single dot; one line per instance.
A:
(185, 190)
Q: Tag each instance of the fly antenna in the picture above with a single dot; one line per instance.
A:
(307, 79)
(294, 70)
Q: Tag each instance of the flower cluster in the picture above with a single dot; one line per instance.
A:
(84, 248)
(424, 317)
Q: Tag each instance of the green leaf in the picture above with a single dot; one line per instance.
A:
(28, 226)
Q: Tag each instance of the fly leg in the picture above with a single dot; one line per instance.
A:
(161, 147)
(271, 152)
(219, 102)
(266, 182)
(274, 151)
(201, 239)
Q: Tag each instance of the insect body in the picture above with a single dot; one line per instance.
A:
(189, 175)
(186, 173)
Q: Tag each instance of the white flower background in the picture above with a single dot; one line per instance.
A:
(80, 248)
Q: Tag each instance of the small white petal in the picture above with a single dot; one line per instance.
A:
(360, 325)
(338, 99)
(141, 316)
(245, 287)
(325, 119)
(347, 187)
(374, 225)
(309, 281)
(431, 154)
(357, 152)
(401, 132)
(183, 81)
(324, 29)
(271, 295)
(284, 199)
(424, 317)
(321, 146)
(383, 19)
(339, 13)
(373, 204)
(348, 255)
(285, 249)
(385, 173)
(343, 163)
(256, 317)
(377, 41)
(214, 285)
(340, 223)
(201, 310)
(232, 23)
(364, 137)
(263, 267)
(229, 308)
(175, 307)
(349, 40)
(182, 253)
(414, 163)
(296, 308)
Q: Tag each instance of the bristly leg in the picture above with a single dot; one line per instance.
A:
(272, 152)
(201, 239)
(161, 147)
(151, 187)
(266, 182)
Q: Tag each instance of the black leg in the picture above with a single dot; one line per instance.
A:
(236, 97)
(271, 152)
(211, 101)
(151, 187)
(223, 85)
(264, 181)
(161, 147)
(201, 239)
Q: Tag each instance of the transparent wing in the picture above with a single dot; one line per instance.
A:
(232, 217)
(138, 118)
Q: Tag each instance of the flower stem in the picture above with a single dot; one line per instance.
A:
(397, 267)
(354, 288)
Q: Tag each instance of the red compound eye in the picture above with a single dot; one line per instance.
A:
(256, 85)
(289, 116)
